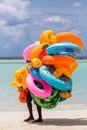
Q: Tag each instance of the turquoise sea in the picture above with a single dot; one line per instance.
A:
(9, 95)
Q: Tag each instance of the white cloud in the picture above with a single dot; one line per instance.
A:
(14, 32)
(13, 14)
(75, 31)
(2, 23)
(56, 19)
(53, 19)
(77, 4)
(15, 8)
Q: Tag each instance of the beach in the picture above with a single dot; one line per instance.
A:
(52, 120)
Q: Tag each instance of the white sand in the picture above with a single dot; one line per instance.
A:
(53, 120)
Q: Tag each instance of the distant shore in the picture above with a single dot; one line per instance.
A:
(21, 58)
(11, 58)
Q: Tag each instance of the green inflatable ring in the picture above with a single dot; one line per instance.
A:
(49, 102)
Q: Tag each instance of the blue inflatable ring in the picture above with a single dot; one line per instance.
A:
(58, 83)
(64, 49)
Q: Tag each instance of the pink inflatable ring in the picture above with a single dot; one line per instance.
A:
(27, 51)
(41, 93)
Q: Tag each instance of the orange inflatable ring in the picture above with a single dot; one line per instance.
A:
(66, 64)
(69, 37)
(59, 60)
(37, 50)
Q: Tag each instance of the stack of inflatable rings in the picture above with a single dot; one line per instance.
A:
(52, 62)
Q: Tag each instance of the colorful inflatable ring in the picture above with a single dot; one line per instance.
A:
(42, 93)
(66, 70)
(69, 37)
(57, 83)
(48, 36)
(49, 102)
(27, 51)
(66, 94)
(59, 60)
(37, 50)
(69, 90)
(35, 72)
(64, 49)
(66, 63)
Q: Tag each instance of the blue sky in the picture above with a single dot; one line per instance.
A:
(22, 22)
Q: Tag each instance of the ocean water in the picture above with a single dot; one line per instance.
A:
(9, 95)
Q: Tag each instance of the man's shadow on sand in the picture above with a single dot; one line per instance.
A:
(64, 122)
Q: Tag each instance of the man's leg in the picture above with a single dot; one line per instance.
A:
(39, 114)
(38, 107)
(29, 106)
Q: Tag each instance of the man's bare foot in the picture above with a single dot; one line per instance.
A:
(38, 120)
(29, 119)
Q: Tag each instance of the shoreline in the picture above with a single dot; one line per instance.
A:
(57, 120)
(21, 58)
